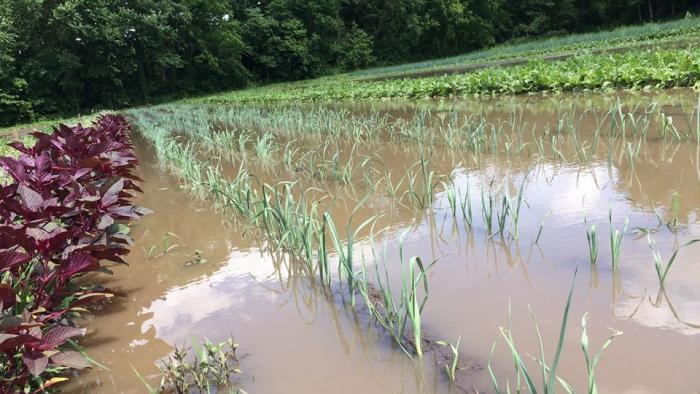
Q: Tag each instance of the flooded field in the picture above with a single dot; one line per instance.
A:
(294, 230)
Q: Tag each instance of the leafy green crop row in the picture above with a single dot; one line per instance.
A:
(627, 36)
(650, 69)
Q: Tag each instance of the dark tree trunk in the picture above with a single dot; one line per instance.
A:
(639, 12)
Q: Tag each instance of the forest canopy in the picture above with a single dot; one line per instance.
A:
(73, 55)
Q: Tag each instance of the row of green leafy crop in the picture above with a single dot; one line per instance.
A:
(650, 33)
(510, 59)
(634, 70)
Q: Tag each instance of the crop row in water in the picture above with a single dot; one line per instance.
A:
(419, 182)
(293, 220)
(295, 228)
(643, 69)
(619, 134)
(549, 380)
(290, 223)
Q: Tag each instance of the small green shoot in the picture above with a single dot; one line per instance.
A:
(592, 238)
(662, 268)
(591, 363)
(451, 369)
(616, 237)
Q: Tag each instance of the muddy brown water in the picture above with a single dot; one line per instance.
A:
(294, 338)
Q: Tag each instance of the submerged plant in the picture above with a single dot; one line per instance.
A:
(466, 206)
(592, 238)
(210, 369)
(399, 316)
(549, 378)
(166, 243)
(616, 237)
(423, 197)
(265, 148)
(197, 259)
(539, 232)
(514, 207)
(548, 372)
(662, 268)
(451, 197)
(675, 221)
(451, 369)
(345, 254)
(409, 297)
(487, 209)
(592, 362)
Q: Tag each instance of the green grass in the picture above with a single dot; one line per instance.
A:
(46, 125)
(6, 150)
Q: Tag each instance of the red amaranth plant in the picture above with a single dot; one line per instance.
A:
(61, 217)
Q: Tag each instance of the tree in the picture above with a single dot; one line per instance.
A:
(453, 26)
(354, 49)
(276, 49)
(13, 108)
(211, 41)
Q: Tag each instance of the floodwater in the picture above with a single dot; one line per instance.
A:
(296, 338)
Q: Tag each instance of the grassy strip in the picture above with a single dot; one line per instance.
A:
(46, 125)
(651, 69)
(656, 33)
(7, 151)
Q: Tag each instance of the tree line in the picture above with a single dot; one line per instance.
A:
(65, 56)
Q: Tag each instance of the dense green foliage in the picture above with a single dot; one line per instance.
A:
(64, 56)
(649, 69)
